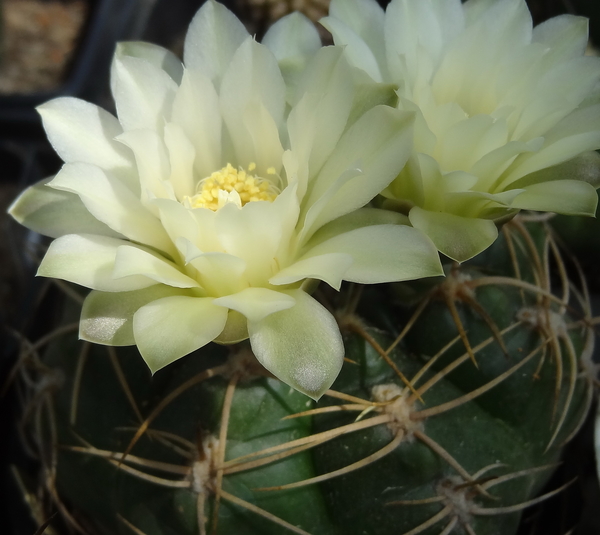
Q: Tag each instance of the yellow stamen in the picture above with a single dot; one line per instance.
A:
(233, 185)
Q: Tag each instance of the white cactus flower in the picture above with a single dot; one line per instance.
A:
(504, 110)
(204, 210)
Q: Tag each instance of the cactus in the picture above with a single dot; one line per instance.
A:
(449, 415)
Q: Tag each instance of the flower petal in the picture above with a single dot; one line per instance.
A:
(111, 202)
(383, 253)
(459, 238)
(330, 268)
(156, 55)
(257, 303)
(82, 132)
(302, 346)
(364, 217)
(322, 105)
(196, 111)
(170, 328)
(565, 35)
(88, 260)
(214, 35)
(262, 86)
(358, 27)
(181, 157)
(379, 143)
(572, 197)
(131, 261)
(293, 39)
(55, 213)
(143, 92)
(107, 317)
(152, 162)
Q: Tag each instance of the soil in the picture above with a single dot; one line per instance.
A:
(38, 41)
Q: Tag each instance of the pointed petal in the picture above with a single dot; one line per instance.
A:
(220, 273)
(111, 202)
(302, 346)
(379, 144)
(257, 303)
(322, 105)
(364, 217)
(88, 260)
(459, 238)
(572, 197)
(170, 328)
(196, 111)
(131, 261)
(359, 53)
(214, 35)
(330, 268)
(565, 35)
(107, 317)
(293, 39)
(181, 157)
(156, 55)
(262, 86)
(142, 91)
(384, 253)
(82, 132)
(55, 213)
(152, 162)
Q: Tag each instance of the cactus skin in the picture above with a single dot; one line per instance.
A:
(514, 412)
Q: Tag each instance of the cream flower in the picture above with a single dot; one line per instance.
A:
(504, 110)
(204, 211)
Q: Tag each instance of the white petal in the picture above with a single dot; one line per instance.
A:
(459, 238)
(177, 220)
(158, 56)
(365, 18)
(82, 132)
(301, 346)
(170, 328)
(364, 217)
(181, 156)
(257, 232)
(214, 35)
(196, 110)
(152, 162)
(566, 35)
(293, 37)
(55, 213)
(330, 268)
(359, 53)
(109, 201)
(88, 260)
(107, 317)
(384, 253)
(424, 25)
(131, 261)
(143, 92)
(220, 273)
(262, 85)
(257, 303)
(324, 100)
(266, 149)
(379, 143)
(573, 197)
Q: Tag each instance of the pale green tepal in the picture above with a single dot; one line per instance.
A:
(506, 113)
(206, 209)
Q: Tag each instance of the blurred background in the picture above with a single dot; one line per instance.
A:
(51, 48)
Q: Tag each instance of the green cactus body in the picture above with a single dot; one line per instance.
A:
(413, 438)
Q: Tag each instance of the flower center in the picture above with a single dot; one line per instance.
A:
(233, 185)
